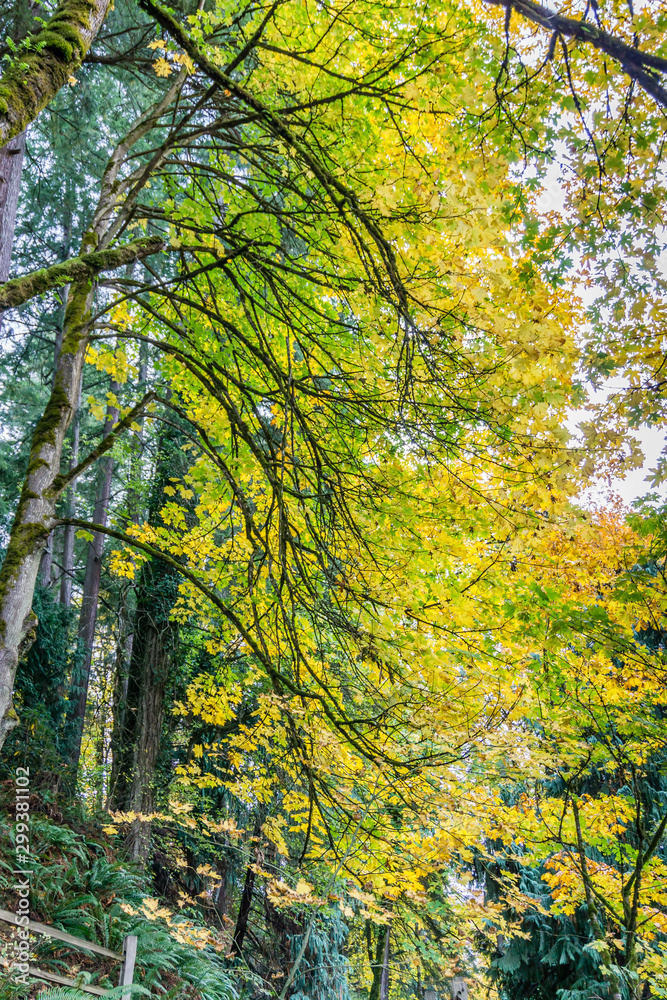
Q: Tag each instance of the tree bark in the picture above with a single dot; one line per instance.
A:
(36, 75)
(19, 290)
(220, 901)
(384, 978)
(46, 563)
(11, 154)
(120, 691)
(381, 961)
(11, 168)
(91, 589)
(68, 537)
(155, 637)
(244, 911)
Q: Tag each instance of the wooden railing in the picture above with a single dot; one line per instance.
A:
(128, 958)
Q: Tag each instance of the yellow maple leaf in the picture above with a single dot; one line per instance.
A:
(183, 59)
(162, 67)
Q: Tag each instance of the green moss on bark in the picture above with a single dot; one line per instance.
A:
(58, 42)
(46, 61)
(27, 537)
(45, 432)
(18, 290)
(77, 316)
(25, 540)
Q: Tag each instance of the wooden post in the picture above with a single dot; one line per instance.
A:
(459, 988)
(129, 958)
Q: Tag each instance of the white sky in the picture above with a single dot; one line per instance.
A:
(651, 439)
(634, 485)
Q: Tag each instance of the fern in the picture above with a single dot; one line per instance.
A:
(70, 993)
(591, 992)
(76, 888)
(64, 993)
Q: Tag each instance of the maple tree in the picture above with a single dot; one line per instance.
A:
(349, 342)
(583, 791)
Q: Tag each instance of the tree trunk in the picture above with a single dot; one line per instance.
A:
(11, 168)
(155, 637)
(29, 83)
(35, 513)
(11, 154)
(244, 911)
(384, 978)
(46, 563)
(68, 538)
(124, 645)
(381, 963)
(220, 901)
(91, 588)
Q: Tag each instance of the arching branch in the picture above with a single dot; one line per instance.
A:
(46, 61)
(61, 482)
(646, 69)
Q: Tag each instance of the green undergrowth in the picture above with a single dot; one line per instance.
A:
(79, 885)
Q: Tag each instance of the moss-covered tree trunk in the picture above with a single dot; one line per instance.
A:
(11, 154)
(36, 509)
(36, 74)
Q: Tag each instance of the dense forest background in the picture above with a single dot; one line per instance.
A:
(329, 678)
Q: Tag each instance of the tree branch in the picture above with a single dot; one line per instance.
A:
(643, 67)
(20, 290)
(345, 727)
(341, 196)
(61, 482)
(46, 61)
(648, 853)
